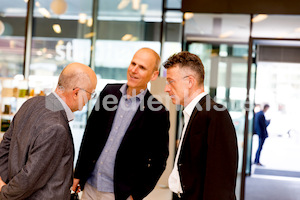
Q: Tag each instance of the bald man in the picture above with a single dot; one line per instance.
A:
(125, 144)
(37, 151)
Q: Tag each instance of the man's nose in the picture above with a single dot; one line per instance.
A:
(134, 69)
(167, 88)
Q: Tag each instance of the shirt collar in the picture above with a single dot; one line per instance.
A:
(70, 114)
(190, 107)
(139, 97)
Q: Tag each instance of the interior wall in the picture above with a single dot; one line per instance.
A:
(157, 89)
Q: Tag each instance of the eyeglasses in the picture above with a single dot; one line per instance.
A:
(172, 81)
(93, 94)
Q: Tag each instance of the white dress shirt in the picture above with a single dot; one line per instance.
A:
(174, 179)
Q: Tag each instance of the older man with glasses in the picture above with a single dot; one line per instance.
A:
(37, 151)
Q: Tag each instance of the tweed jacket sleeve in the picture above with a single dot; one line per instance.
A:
(4, 151)
(40, 156)
(44, 158)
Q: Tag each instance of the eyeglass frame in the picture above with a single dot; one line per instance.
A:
(93, 94)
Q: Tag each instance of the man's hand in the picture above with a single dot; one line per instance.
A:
(1, 183)
(76, 187)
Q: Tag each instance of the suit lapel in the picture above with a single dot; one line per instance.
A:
(53, 104)
(194, 113)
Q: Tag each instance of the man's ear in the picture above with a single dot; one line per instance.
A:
(75, 92)
(192, 81)
(154, 75)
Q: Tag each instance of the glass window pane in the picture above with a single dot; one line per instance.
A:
(204, 52)
(217, 27)
(12, 36)
(123, 28)
(173, 26)
(135, 10)
(173, 37)
(276, 26)
(174, 4)
(60, 36)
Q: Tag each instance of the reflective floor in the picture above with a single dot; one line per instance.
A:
(279, 177)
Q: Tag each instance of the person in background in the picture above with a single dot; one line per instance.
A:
(207, 157)
(37, 151)
(260, 128)
(125, 145)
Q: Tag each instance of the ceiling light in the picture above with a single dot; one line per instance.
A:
(56, 28)
(134, 39)
(126, 37)
(89, 22)
(259, 18)
(39, 53)
(144, 8)
(188, 15)
(82, 18)
(226, 34)
(2, 27)
(136, 4)
(37, 4)
(296, 30)
(26, 1)
(44, 12)
(123, 4)
(44, 50)
(282, 35)
(12, 44)
(49, 56)
(60, 42)
(59, 6)
(89, 35)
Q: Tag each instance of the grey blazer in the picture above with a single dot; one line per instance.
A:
(37, 151)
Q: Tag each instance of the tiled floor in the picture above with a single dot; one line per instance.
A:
(280, 152)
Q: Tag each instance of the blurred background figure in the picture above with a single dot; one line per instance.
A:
(260, 128)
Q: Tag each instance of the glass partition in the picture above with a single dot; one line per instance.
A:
(276, 26)
(12, 40)
(217, 27)
(61, 35)
(172, 36)
(123, 27)
(174, 4)
(12, 43)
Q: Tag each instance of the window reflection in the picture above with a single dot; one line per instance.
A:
(267, 26)
(12, 29)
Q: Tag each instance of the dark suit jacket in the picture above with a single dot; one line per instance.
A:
(260, 125)
(141, 157)
(37, 152)
(208, 160)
